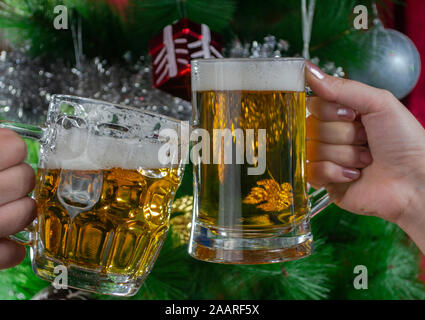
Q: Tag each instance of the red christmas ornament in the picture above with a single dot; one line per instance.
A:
(172, 50)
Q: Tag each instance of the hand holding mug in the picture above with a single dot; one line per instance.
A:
(17, 210)
(368, 151)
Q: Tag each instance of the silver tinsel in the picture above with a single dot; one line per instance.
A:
(270, 48)
(273, 48)
(27, 84)
(329, 67)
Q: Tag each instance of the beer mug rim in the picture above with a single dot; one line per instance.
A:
(254, 74)
(276, 59)
(77, 99)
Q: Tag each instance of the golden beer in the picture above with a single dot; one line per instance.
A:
(272, 200)
(120, 216)
(251, 199)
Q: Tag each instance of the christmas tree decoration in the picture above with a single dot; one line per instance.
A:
(269, 48)
(27, 84)
(394, 63)
(395, 66)
(173, 49)
(329, 67)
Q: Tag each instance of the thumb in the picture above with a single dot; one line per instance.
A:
(358, 96)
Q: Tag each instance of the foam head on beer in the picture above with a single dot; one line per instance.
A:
(248, 74)
(101, 145)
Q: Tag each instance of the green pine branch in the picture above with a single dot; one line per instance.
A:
(304, 279)
(20, 282)
(392, 269)
(30, 23)
(104, 31)
(391, 259)
(307, 278)
(108, 34)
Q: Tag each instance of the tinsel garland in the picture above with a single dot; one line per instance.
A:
(272, 47)
(27, 84)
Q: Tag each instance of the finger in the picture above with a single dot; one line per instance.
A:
(16, 182)
(13, 149)
(344, 155)
(320, 174)
(16, 215)
(358, 96)
(329, 111)
(336, 132)
(11, 253)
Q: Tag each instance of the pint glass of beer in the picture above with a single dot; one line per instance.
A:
(103, 193)
(251, 201)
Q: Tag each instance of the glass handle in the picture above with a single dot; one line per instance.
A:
(24, 130)
(25, 237)
(319, 200)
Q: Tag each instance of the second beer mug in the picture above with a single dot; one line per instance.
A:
(251, 199)
(103, 195)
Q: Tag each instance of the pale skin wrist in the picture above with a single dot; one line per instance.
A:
(412, 221)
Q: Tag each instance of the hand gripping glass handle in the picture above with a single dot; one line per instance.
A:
(319, 200)
(25, 237)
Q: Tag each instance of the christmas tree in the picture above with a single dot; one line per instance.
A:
(119, 31)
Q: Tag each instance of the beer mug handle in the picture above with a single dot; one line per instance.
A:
(24, 237)
(24, 130)
(319, 200)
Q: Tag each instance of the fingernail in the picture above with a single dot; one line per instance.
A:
(346, 113)
(351, 174)
(315, 70)
(361, 135)
(366, 157)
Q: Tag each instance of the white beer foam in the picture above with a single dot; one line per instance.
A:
(76, 149)
(248, 74)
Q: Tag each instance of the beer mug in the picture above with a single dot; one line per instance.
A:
(251, 203)
(103, 195)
